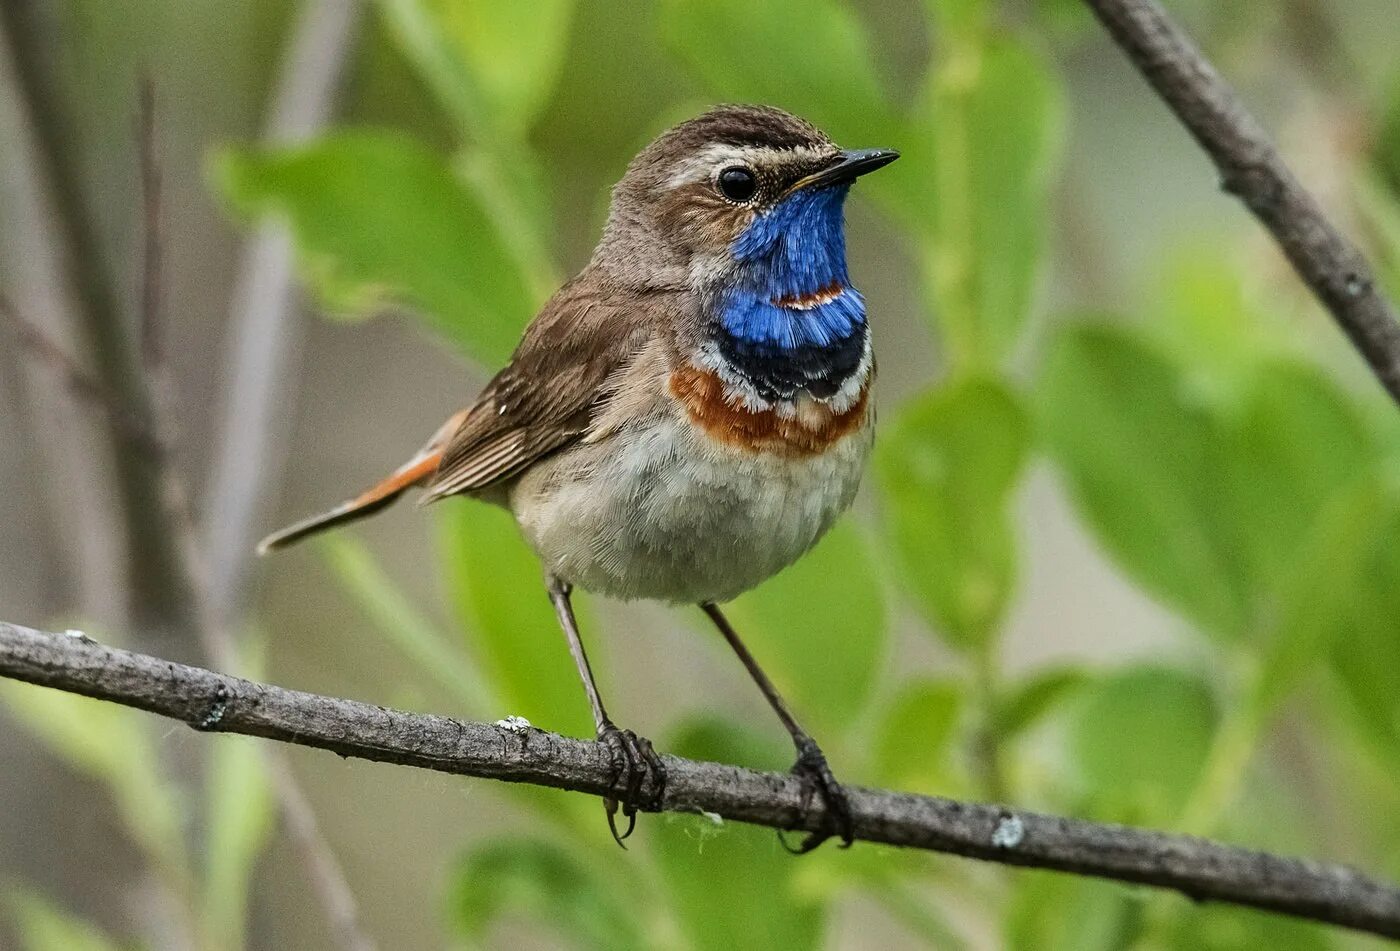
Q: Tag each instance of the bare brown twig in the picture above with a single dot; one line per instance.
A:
(1251, 169)
(319, 859)
(1198, 868)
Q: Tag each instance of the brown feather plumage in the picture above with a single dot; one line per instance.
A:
(548, 394)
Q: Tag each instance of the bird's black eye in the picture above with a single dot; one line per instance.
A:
(737, 183)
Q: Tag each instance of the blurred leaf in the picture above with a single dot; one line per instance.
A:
(43, 926)
(497, 588)
(1367, 650)
(1299, 442)
(948, 467)
(406, 627)
(1025, 703)
(379, 220)
(241, 820)
(112, 744)
(1066, 20)
(1139, 740)
(818, 628)
(1387, 140)
(963, 19)
(1206, 928)
(1051, 912)
(995, 119)
(540, 880)
(492, 65)
(1142, 466)
(915, 737)
(733, 885)
(1210, 511)
(1206, 315)
(1379, 205)
(810, 56)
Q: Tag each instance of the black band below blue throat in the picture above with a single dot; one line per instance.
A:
(779, 373)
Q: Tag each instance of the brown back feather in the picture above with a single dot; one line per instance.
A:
(549, 393)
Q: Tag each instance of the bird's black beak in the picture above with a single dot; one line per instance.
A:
(852, 164)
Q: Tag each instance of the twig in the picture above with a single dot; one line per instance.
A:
(1251, 169)
(262, 334)
(319, 859)
(261, 338)
(74, 375)
(152, 344)
(154, 577)
(212, 702)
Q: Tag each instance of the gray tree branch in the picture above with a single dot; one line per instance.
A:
(213, 702)
(1251, 169)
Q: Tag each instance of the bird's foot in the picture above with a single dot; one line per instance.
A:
(817, 780)
(637, 769)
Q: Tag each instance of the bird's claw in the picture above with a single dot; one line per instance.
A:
(636, 768)
(818, 780)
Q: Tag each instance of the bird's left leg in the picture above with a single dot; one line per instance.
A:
(633, 755)
(811, 761)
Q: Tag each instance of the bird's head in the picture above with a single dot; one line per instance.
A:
(736, 187)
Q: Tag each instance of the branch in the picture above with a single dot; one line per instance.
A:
(154, 577)
(208, 701)
(1251, 169)
(263, 337)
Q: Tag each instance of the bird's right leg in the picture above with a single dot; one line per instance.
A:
(633, 755)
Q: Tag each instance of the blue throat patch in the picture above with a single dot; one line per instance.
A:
(792, 322)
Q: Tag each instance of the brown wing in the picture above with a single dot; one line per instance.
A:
(547, 395)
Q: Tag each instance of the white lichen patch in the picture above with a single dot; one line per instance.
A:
(1009, 833)
(515, 724)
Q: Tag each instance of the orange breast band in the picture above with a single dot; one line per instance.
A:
(809, 432)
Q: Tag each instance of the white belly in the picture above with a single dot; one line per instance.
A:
(664, 512)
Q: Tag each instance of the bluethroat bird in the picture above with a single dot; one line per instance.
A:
(689, 414)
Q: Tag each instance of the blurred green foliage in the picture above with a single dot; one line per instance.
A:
(1225, 469)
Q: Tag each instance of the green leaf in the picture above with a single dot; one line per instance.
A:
(493, 66)
(1211, 507)
(1298, 444)
(241, 820)
(810, 56)
(733, 886)
(545, 883)
(1379, 204)
(497, 589)
(1207, 313)
(43, 926)
(1025, 703)
(818, 629)
(114, 745)
(948, 467)
(1142, 464)
(379, 220)
(406, 627)
(995, 117)
(1052, 912)
(916, 736)
(1206, 928)
(1139, 740)
(1366, 651)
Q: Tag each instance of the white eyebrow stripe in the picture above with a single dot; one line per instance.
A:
(700, 166)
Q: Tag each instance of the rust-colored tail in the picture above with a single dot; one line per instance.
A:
(416, 471)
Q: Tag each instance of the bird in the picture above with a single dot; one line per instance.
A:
(689, 414)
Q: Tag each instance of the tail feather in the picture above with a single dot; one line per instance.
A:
(415, 472)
